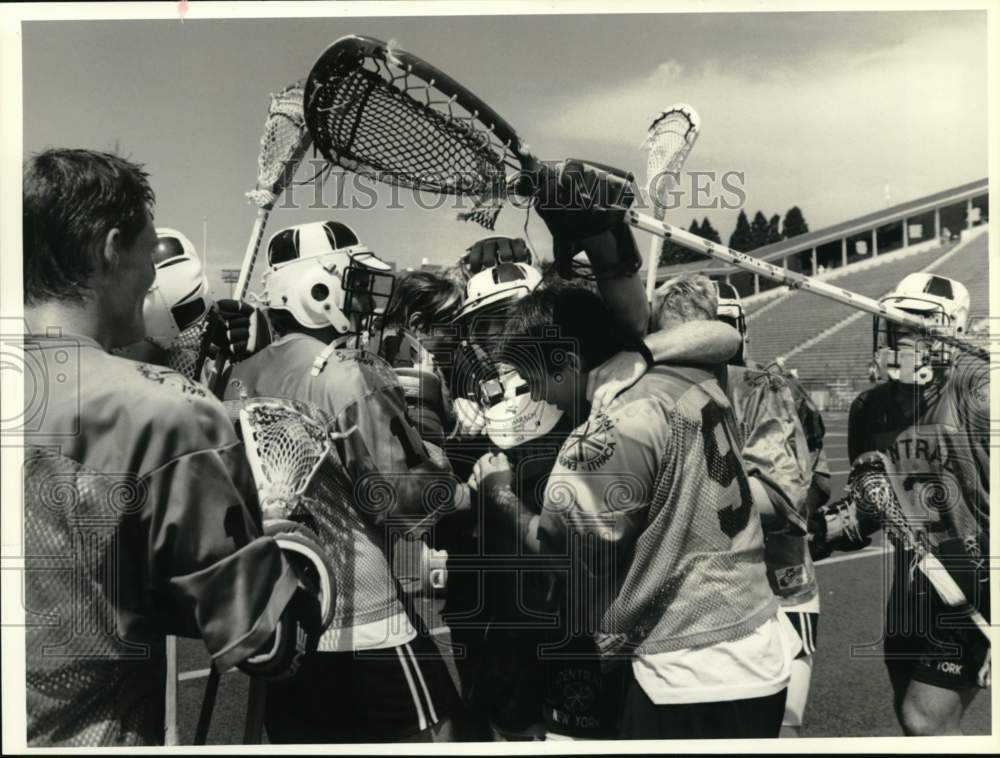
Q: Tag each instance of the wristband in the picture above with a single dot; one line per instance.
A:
(640, 347)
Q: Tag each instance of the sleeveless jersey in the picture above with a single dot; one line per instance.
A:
(776, 450)
(651, 505)
(140, 520)
(359, 391)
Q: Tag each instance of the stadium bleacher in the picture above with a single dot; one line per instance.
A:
(839, 363)
(800, 316)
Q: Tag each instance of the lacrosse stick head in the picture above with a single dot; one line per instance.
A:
(283, 143)
(870, 488)
(388, 115)
(670, 137)
(287, 444)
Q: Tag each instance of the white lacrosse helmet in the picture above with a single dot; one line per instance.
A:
(512, 416)
(944, 302)
(505, 283)
(730, 310)
(308, 265)
(180, 296)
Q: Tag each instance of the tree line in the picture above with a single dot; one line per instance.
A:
(748, 235)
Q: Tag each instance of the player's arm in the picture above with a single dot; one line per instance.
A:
(775, 451)
(394, 471)
(597, 498)
(697, 342)
(492, 479)
(583, 205)
(210, 571)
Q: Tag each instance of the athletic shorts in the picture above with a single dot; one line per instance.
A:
(367, 696)
(581, 701)
(758, 717)
(929, 642)
(807, 626)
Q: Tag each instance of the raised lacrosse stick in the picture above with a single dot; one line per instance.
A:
(388, 115)
(671, 137)
(282, 145)
(874, 491)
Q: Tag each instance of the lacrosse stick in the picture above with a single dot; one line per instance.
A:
(671, 137)
(170, 714)
(289, 446)
(282, 146)
(795, 280)
(874, 493)
(390, 116)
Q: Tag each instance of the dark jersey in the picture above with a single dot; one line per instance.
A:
(936, 443)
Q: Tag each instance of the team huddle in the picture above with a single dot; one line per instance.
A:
(631, 506)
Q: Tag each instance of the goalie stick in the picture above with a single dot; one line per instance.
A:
(388, 115)
(671, 136)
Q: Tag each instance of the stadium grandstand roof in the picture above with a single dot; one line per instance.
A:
(857, 225)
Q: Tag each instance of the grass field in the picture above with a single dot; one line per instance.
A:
(850, 694)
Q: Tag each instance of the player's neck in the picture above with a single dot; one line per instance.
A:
(80, 319)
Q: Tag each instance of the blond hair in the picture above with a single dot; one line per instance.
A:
(688, 297)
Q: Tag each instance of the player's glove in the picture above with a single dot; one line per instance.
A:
(847, 523)
(308, 613)
(242, 330)
(491, 251)
(583, 204)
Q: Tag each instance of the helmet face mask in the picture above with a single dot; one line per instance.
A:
(904, 355)
(512, 416)
(730, 311)
(324, 277)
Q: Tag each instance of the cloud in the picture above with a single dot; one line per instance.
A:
(912, 113)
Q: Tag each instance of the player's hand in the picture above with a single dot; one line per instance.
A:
(984, 679)
(491, 251)
(491, 472)
(244, 330)
(614, 376)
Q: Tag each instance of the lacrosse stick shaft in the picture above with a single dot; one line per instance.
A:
(791, 279)
(252, 733)
(170, 712)
(207, 706)
(950, 592)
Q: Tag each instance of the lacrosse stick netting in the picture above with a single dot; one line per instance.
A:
(283, 143)
(875, 496)
(670, 139)
(387, 115)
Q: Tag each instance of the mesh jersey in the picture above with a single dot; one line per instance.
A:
(358, 390)
(775, 449)
(936, 442)
(137, 524)
(651, 504)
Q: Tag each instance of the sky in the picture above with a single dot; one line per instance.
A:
(820, 110)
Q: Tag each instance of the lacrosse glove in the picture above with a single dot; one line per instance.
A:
(491, 251)
(583, 205)
(241, 331)
(310, 610)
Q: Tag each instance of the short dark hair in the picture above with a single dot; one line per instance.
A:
(436, 298)
(557, 314)
(72, 199)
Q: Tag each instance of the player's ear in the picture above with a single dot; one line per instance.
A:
(110, 250)
(414, 322)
